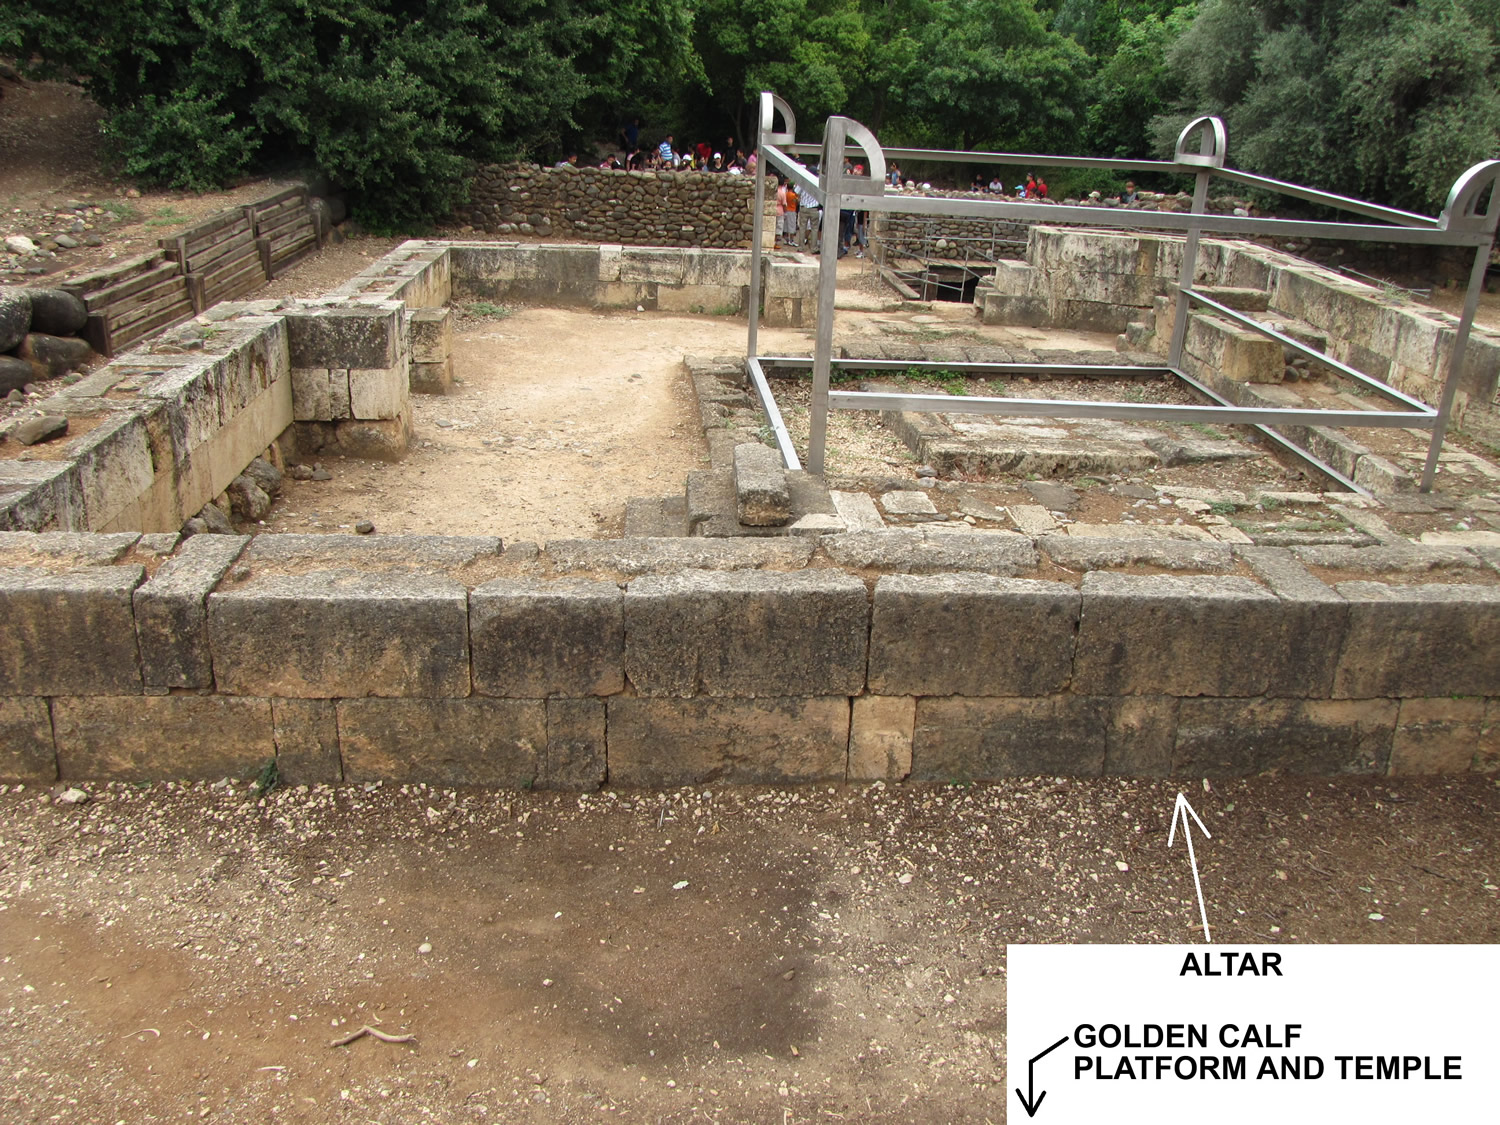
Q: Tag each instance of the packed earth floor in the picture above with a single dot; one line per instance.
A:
(736, 955)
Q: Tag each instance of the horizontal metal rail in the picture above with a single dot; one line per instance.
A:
(1099, 370)
(784, 444)
(1122, 411)
(1360, 377)
(951, 156)
(1117, 217)
(1328, 198)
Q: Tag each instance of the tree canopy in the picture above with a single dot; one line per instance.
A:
(394, 100)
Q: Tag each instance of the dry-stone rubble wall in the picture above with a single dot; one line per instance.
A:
(703, 209)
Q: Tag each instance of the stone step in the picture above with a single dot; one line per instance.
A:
(761, 495)
(713, 508)
(655, 517)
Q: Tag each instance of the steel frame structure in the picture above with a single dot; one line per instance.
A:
(1461, 223)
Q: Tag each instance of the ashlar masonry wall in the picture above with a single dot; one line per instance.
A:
(934, 656)
(1105, 281)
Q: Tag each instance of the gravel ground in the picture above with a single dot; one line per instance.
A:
(743, 954)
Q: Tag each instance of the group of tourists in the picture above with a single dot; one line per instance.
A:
(729, 158)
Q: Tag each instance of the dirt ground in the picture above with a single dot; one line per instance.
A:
(559, 417)
(738, 955)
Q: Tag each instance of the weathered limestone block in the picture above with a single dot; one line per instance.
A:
(636, 555)
(26, 750)
(114, 466)
(663, 742)
(1433, 640)
(746, 633)
(1170, 635)
(443, 741)
(1141, 736)
(972, 634)
(576, 756)
(532, 639)
(1240, 737)
(880, 733)
(336, 634)
(74, 549)
(69, 634)
(1316, 619)
(379, 392)
(762, 498)
(365, 337)
(171, 612)
(915, 551)
(306, 732)
(973, 739)
(150, 737)
(432, 378)
(320, 394)
(1238, 353)
(1438, 736)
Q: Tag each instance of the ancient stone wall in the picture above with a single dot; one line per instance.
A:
(1105, 281)
(703, 209)
(876, 655)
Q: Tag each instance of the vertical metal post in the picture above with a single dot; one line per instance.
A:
(831, 172)
(1455, 364)
(757, 222)
(1190, 252)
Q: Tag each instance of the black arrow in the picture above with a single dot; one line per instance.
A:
(1033, 1106)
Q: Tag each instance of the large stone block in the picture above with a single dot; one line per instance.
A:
(1170, 635)
(306, 732)
(576, 757)
(918, 551)
(171, 612)
(1141, 735)
(379, 392)
(746, 633)
(152, 737)
(26, 750)
(762, 498)
(1438, 735)
(336, 634)
(1316, 619)
(320, 394)
(69, 634)
(531, 639)
(1240, 737)
(880, 734)
(1431, 640)
(639, 555)
(443, 741)
(356, 337)
(664, 742)
(115, 466)
(970, 739)
(971, 634)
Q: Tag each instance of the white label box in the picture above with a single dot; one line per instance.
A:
(1253, 1033)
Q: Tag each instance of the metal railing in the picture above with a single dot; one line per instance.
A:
(1461, 223)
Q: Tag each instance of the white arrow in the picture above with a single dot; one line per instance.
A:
(1184, 810)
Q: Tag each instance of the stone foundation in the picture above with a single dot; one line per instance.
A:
(663, 663)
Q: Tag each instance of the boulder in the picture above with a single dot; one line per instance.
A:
(56, 312)
(14, 374)
(35, 430)
(54, 355)
(247, 500)
(215, 521)
(266, 475)
(15, 317)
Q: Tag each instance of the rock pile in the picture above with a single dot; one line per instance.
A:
(51, 232)
(635, 208)
(38, 336)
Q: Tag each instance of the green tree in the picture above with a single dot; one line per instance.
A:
(1134, 84)
(390, 98)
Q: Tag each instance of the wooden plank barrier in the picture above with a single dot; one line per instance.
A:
(285, 231)
(219, 257)
(131, 299)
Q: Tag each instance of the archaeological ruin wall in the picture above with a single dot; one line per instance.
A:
(853, 655)
(695, 209)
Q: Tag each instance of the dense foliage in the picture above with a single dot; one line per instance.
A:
(393, 99)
